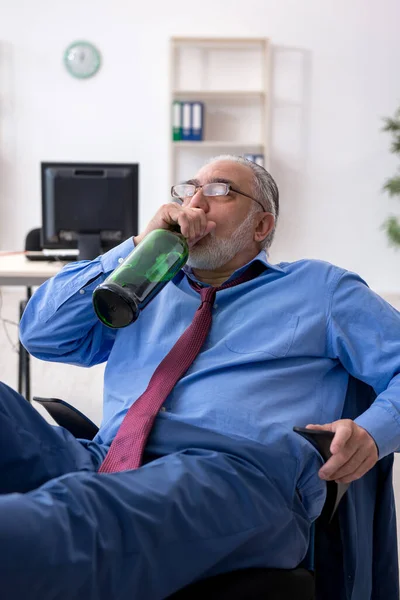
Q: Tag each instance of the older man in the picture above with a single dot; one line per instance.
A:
(224, 482)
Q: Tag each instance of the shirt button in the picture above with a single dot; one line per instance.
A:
(81, 291)
(163, 409)
(215, 305)
(120, 260)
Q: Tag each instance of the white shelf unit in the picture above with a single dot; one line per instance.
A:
(231, 76)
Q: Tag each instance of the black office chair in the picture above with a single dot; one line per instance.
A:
(32, 240)
(245, 584)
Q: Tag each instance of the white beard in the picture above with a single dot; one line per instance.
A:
(212, 252)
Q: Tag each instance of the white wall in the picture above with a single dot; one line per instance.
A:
(328, 155)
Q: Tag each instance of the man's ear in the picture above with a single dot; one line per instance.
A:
(264, 226)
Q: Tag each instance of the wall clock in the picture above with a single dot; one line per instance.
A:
(82, 59)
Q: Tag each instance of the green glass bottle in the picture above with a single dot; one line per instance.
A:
(138, 279)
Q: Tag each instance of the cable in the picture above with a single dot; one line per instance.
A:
(10, 252)
(6, 322)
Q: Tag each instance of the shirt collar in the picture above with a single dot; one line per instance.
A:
(261, 257)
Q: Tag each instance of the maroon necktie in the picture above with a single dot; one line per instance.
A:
(126, 450)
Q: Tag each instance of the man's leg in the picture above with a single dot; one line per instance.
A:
(31, 450)
(217, 505)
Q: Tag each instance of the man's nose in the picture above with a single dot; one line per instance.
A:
(198, 200)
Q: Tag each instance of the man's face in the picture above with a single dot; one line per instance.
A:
(234, 216)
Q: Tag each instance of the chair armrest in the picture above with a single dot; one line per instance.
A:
(321, 440)
(69, 417)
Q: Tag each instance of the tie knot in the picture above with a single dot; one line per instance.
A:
(207, 294)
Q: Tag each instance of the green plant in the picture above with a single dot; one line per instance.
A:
(392, 185)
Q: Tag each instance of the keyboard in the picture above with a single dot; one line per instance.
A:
(50, 255)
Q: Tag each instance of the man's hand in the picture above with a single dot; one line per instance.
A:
(354, 451)
(192, 222)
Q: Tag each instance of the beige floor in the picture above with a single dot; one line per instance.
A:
(82, 387)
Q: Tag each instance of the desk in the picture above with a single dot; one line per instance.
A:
(16, 269)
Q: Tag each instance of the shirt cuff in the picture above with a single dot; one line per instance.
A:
(111, 259)
(383, 427)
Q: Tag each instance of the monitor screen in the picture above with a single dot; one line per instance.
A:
(89, 206)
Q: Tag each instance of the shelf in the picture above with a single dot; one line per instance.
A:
(217, 144)
(199, 94)
(218, 42)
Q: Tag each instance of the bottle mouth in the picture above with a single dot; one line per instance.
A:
(113, 307)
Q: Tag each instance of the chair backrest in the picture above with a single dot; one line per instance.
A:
(33, 241)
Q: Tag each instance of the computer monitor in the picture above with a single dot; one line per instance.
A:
(89, 206)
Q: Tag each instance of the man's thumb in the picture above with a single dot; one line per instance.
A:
(327, 427)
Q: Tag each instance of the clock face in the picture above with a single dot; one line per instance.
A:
(82, 59)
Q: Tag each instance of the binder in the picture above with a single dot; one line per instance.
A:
(176, 121)
(197, 118)
(186, 121)
(259, 159)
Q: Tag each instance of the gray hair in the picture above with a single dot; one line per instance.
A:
(264, 186)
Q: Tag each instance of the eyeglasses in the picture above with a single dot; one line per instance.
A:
(219, 190)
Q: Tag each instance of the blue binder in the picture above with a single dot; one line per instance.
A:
(197, 115)
(256, 158)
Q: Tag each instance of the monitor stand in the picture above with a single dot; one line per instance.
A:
(89, 246)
